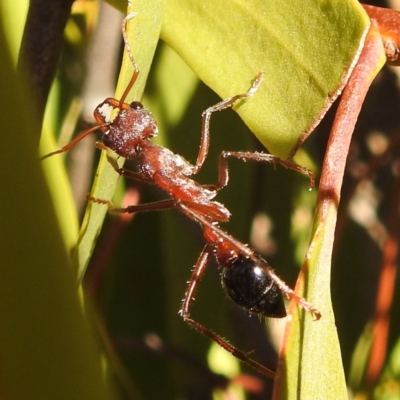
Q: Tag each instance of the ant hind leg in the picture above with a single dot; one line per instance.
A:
(249, 253)
(197, 274)
(155, 206)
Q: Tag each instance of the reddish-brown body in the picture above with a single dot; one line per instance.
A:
(246, 277)
(159, 165)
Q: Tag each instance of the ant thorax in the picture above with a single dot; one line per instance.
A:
(172, 173)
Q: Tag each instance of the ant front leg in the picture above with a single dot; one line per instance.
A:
(122, 171)
(259, 157)
(205, 128)
(197, 274)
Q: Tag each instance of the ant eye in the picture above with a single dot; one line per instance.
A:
(106, 140)
(136, 105)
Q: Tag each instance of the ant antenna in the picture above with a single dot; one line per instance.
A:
(129, 52)
(74, 141)
(114, 102)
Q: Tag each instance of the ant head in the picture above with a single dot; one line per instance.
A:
(130, 128)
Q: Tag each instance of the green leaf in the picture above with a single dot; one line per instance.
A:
(304, 47)
(46, 347)
(143, 35)
(314, 343)
(311, 362)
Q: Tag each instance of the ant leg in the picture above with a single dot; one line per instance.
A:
(289, 292)
(155, 206)
(205, 128)
(247, 252)
(197, 274)
(122, 171)
(259, 157)
(269, 158)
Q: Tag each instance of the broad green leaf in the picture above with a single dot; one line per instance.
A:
(305, 47)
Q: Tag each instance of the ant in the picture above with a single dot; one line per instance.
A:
(246, 277)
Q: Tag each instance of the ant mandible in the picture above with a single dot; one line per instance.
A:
(246, 277)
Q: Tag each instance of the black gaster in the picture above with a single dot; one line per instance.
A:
(248, 284)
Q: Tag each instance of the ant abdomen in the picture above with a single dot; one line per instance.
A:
(248, 284)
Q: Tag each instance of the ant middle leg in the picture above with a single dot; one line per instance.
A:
(197, 274)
